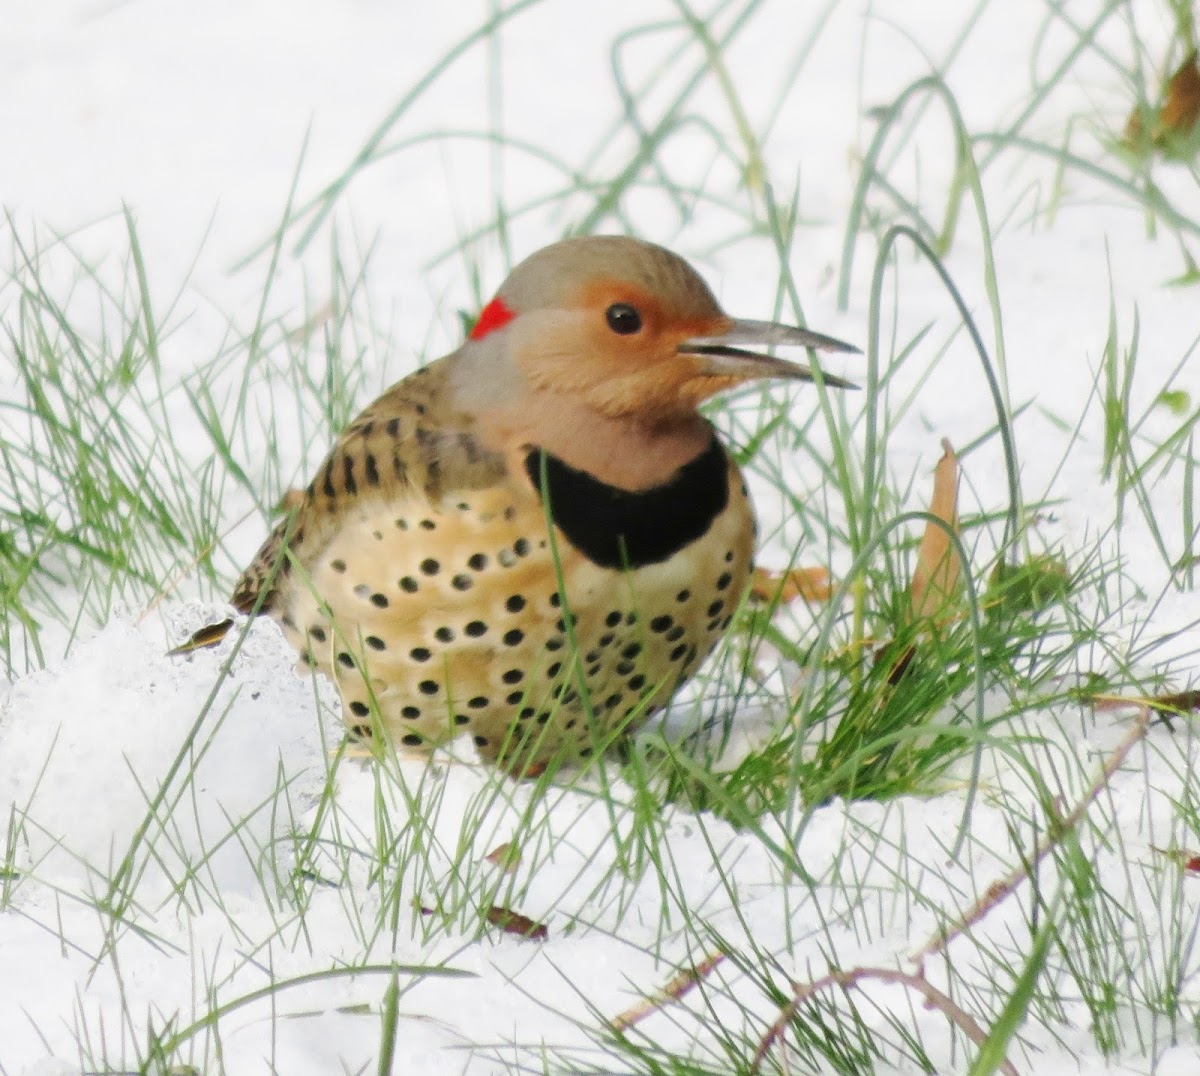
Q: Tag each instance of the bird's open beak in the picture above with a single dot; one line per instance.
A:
(723, 354)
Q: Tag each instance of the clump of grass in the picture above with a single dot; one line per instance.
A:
(98, 506)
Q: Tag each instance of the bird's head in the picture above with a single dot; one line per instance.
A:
(626, 329)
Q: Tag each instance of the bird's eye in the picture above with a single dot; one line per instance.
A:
(623, 318)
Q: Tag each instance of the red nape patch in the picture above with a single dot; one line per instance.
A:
(492, 317)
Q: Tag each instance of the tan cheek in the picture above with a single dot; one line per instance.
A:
(566, 351)
(548, 350)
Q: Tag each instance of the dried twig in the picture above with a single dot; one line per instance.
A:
(999, 890)
(996, 893)
(673, 991)
(936, 998)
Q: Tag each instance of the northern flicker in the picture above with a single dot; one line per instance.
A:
(536, 539)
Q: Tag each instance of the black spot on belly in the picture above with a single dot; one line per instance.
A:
(615, 528)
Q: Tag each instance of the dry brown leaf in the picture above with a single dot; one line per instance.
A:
(1133, 129)
(811, 584)
(515, 923)
(1163, 706)
(1181, 108)
(936, 577)
(1177, 702)
(1177, 116)
(1189, 861)
(506, 856)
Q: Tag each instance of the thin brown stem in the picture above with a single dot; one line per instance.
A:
(673, 991)
(937, 999)
(996, 893)
(1004, 887)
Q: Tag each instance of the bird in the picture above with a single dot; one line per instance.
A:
(538, 538)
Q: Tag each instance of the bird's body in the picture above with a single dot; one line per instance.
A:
(421, 571)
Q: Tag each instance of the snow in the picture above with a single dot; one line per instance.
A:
(183, 831)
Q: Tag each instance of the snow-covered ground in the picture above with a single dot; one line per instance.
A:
(197, 118)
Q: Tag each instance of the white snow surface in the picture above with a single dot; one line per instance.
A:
(195, 118)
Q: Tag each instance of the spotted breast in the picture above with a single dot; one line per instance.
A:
(467, 613)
